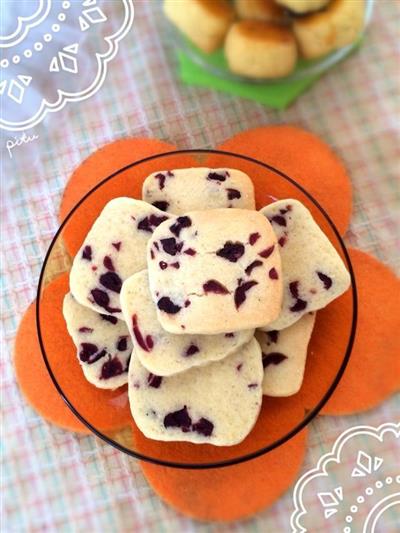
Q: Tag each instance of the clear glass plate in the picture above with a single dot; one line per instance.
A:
(294, 412)
(216, 64)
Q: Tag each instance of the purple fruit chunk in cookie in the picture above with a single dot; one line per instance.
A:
(161, 180)
(152, 254)
(300, 305)
(216, 176)
(279, 219)
(191, 350)
(171, 246)
(240, 292)
(150, 222)
(267, 252)
(239, 367)
(233, 194)
(87, 253)
(273, 274)
(273, 358)
(122, 344)
(326, 280)
(212, 285)
(252, 266)
(111, 281)
(178, 419)
(108, 318)
(111, 368)
(282, 242)
(144, 344)
(181, 222)
(229, 335)
(294, 288)
(85, 329)
(162, 205)
(102, 300)
(252, 385)
(117, 245)
(149, 342)
(154, 381)
(232, 251)
(273, 336)
(89, 353)
(253, 238)
(163, 265)
(167, 305)
(203, 426)
(187, 303)
(107, 262)
(176, 265)
(189, 251)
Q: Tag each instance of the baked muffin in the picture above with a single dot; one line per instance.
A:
(260, 49)
(338, 25)
(265, 10)
(303, 6)
(204, 22)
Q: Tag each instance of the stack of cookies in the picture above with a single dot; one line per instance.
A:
(199, 302)
(263, 38)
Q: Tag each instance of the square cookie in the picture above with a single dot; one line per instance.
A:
(215, 272)
(189, 189)
(114, 249)
(313, 272)
(216, 404)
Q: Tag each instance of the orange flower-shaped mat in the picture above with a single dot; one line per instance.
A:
(373, 372)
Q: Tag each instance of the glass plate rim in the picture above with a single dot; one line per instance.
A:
(309, 416)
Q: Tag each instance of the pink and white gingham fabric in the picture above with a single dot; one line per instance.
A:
(52, 480)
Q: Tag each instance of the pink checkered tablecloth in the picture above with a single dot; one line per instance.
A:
(53, 480)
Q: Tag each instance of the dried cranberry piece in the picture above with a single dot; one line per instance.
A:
(300, 305)
(144, 344)
(240, 292)
(294, 289)
(215, 176)
(239, 367)
(176, 265)
(252, 385)
(149, 223)
(117, 245)
(87, 253)
(273, 274)
(111, 368)
(189, 251)
(273, 335)
(326, 280)
(203, 426)
(229, 335)
(187, 303)
(181, 222)
(163, 265)
(102, 299)
(267, 252)
(232, 251)
(282, 241)
(171, 246)
(253, 238)
(154, 381)
(278, 219)
(152, 254)
(191, 350)
(111, 281)
(252, 266)
(178, 419)
(85, 329)
(122, 344)
(233, 194)
(273, 358)
(108, 318)
(90, 353)
(167, 305)
(215, 286)
(107, 262)
(162, 205)
(161, 180)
